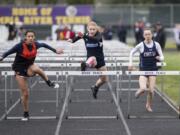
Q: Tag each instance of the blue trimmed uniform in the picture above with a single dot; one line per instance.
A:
(148, 58)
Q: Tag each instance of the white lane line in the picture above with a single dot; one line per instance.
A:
(62, 112)
(167, 100)
(119, 111)
(10, 109)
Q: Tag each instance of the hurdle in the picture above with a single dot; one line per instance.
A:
(7, 111)
(68, 92)
(126, 64)
(87, 73)
(70, 65)
(49, 65)
(75, 64)
(76, 54)
(72, 59)
(156, 73)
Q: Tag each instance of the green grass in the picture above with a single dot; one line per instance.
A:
(170, 45)
(172, 83)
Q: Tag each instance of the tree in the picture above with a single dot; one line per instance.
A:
(166, 1)
(71, 2)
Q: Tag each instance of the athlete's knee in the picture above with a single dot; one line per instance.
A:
(104, 79)
(151, 88)
(143, 88)
(151, 91)
(25, 93)
(91, 62)
(37, 70)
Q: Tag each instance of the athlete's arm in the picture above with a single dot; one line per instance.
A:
(58, 51)
(159, 50)
(76, 39)
(80, 36)
(11, 51)
(138, 48)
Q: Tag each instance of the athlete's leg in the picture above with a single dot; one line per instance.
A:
(152, 82)
(34, 69)
(142, 86)
(91, 63)
(102, 79)
(23, 85)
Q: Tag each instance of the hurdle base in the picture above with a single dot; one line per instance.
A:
(91, 117)
(31, 117)
(91, 101)
(86, 90)
(152, 117)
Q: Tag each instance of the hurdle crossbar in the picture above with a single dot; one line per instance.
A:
(72, 64)
(74, 59)
(71, 73)
(91, 73)
(124, 64)
(3, 65)
(152, 72)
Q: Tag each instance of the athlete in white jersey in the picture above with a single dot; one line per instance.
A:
(150, 53)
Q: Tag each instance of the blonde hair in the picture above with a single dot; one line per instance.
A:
(92, 23)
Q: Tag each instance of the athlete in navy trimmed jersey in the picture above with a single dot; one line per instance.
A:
(95, 55)
(24, 65)
(150, 53)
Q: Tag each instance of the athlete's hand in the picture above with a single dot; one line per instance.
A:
(69, 40)
(80, 34)
(157, 58)
(1, 58)
(130, 68)
(59, 51)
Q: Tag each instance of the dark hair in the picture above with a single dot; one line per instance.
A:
(148, 28)
(27, 31)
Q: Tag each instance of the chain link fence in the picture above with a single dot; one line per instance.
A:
(129, 14)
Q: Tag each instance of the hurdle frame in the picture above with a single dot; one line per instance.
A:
(158, 73)
(7, 111)
(68, 88)
(126, 64)
(86, 73)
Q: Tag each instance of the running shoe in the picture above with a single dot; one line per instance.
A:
(25, 116)
(83, 66)
(94, 91)
(52, 84)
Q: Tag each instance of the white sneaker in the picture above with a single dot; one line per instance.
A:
(25, 116)
(53, 85)
(24, 119)
(56, 85)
